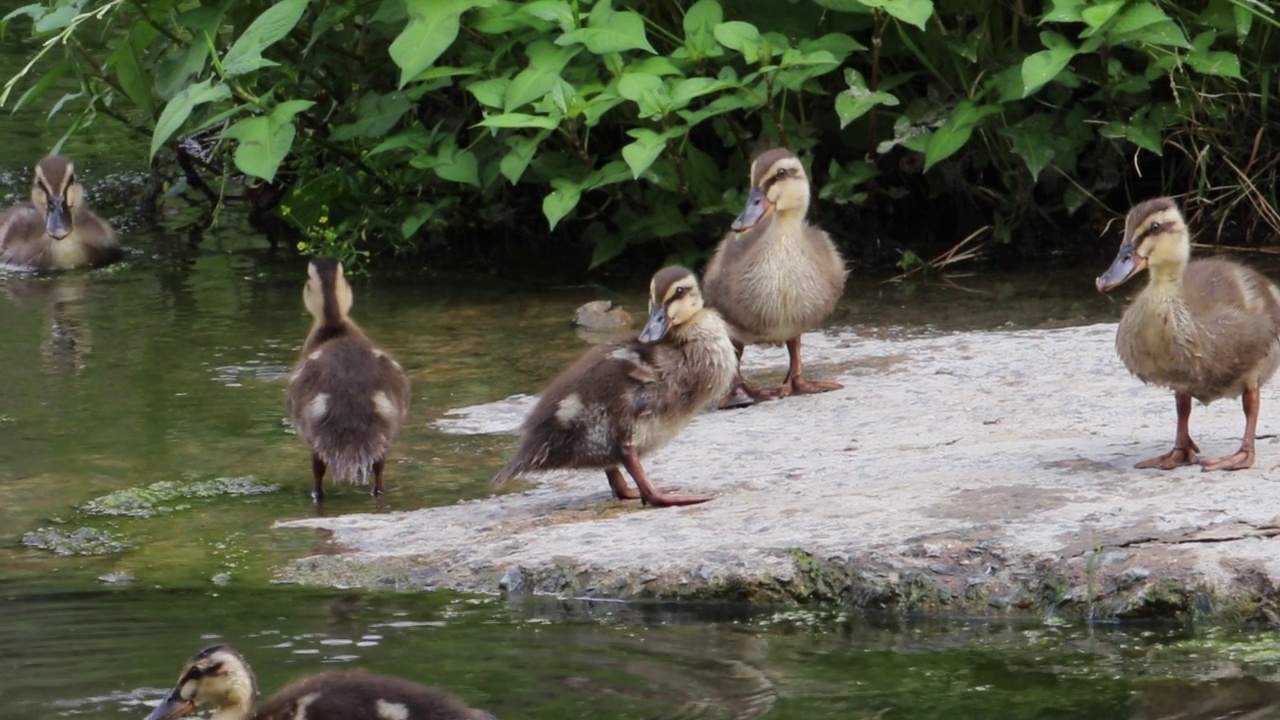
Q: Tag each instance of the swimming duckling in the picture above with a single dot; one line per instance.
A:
(627, 398)
(1208, 329)
(219, 677)
(775, 275)
(347, 397)
(56, 230)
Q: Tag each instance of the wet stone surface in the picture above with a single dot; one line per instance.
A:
(967, 472)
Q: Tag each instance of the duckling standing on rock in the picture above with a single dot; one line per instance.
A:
(56, 230)
(347, 397)
(627, 398)
(775, 276)
(219, 677)
(1208, 329)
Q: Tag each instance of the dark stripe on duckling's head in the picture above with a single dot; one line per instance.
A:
(1149, 217)
(55, 193)
(765, 168)
(327, 294)
(673, 299)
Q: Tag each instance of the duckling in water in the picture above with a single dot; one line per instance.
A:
(627, 398)
(775, 275)
(347, 397)
(219, 677)
(1207, 329)
(56, 230)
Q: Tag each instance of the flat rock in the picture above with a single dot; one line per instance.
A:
(978, 471)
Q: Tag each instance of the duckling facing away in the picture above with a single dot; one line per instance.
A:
(1208, 329)
(775, 276)
(219, 677)
(56, 230)
(347, 397)
(627, 398)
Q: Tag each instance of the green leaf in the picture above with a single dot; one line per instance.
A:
(912, 12)
(1065, 11)
(57, 19)
(859, 99)
(177, 110)
(519, 120)
(135, 81)
(421, 213)
(614, 172)
(838, 44)
(695, 87)
(647, 91)
(432, 28)
(263, 145)
(461, 167)
(1095, 16)
(1032, 141)
(608, 246)
(556, 11)
(516, 161)
(618, 32)
(414, 138)
(560, 201)
(285, 111)
(375, 113)
(1244, 20)
(490, 92)
(955, 132)
(46, 81)
(646, 148)
(1137, 17)
(545, 63)
(1041, 67)
(267, 29)
(740, 36)
(700, 21)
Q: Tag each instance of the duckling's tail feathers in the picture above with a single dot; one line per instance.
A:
(518, 466)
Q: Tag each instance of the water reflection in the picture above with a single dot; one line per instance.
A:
(60, 301)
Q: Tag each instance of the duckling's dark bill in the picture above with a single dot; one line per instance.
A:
(657, 325)
(1127, 264)
(172, 707)
(58, 221)
(758, 207)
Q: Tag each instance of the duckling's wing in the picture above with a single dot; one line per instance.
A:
(1239, 311)
(21, 227)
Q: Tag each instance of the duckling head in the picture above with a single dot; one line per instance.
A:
(674, 299)
(327, 293)
(217, 676)
(56, 193)
(1155, 237)
(778, 184)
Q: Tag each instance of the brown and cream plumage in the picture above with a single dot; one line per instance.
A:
(775, 276)
(628, 398)
(56, 230)
(1207, 329)
(220, 678)
(347, 397)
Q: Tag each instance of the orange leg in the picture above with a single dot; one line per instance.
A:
(1184, 448)
(618, 484)
(377, 477)
(742, 394)
(649, 495)
(795, 383)
(1242, 458)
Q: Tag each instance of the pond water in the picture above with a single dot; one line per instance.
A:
(144, 457)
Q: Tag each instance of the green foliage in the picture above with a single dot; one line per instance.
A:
(411, 123)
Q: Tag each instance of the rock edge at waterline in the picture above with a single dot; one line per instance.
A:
(960, 473)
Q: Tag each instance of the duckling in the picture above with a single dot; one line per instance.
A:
(219, 676)
(56, 230)
(1207, 329)
(347, 397)
(628, 398)
(775, 276)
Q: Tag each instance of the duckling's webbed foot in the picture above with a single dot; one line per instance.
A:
(743, 395)
(1242, 458)
(317, 472)
(649, 495)
(795, 383)
(1184, 448)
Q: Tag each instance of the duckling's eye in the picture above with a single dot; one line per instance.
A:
(1155, 227)
(680, 292)
(782, 172)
